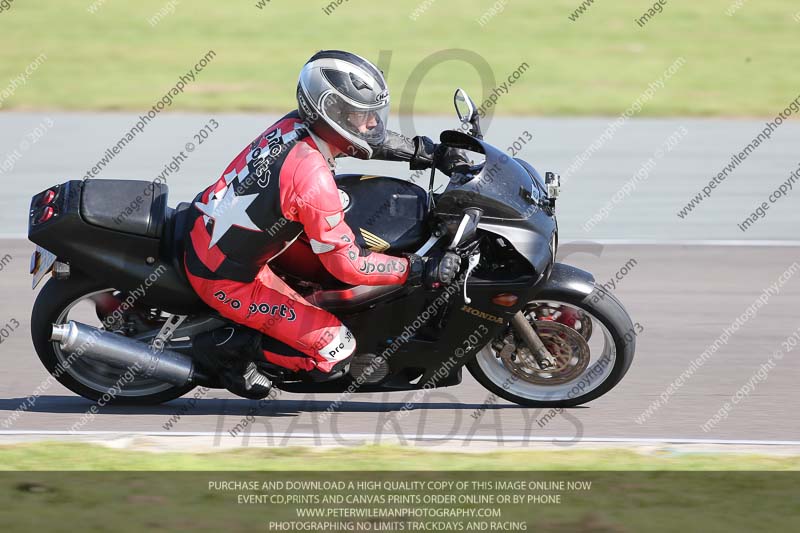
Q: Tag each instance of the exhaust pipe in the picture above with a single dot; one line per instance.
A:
(166, 365)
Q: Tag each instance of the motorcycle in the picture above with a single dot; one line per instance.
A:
(530, 330)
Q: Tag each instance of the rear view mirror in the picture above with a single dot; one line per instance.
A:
(465, 107)
(467, 112)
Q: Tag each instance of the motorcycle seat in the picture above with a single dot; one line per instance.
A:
(130, 206)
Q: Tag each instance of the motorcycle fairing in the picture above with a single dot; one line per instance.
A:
(510, 197)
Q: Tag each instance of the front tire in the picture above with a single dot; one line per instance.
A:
(85, 377)
(613, 328)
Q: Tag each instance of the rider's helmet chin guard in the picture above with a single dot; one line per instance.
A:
(343, 98)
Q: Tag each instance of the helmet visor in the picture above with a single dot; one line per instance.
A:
(365, 123)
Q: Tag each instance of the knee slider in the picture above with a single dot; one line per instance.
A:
(341, 347)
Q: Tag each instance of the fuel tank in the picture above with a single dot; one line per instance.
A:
(386, 214)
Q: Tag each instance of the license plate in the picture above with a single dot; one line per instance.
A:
(41, 263)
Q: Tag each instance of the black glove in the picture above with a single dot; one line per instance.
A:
(441, 270)
(433, 271)
(426, 152)
(421, 153)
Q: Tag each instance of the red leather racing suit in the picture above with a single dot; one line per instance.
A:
(278, 187)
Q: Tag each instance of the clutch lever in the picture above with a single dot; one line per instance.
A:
(466, 228)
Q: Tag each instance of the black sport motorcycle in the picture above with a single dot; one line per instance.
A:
(530, 330)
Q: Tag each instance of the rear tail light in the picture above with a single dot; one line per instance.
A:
(47, 213)
(47, 197)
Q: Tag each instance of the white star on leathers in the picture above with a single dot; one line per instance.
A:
(230, 210)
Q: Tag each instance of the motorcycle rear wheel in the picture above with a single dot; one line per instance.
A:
(91, 379)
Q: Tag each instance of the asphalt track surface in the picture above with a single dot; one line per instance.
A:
(77, 141)
(683, 295)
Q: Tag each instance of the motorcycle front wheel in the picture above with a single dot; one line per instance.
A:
(592, 341)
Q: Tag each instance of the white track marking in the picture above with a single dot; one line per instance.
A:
(353, 436)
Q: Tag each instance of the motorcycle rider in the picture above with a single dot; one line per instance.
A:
(282, 185)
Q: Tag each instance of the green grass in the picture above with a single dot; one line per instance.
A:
(714, 500)
(63, 456)
(113, 60)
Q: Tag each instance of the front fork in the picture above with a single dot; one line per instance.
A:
(531, 339)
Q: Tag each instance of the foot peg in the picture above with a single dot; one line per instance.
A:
(338, 371)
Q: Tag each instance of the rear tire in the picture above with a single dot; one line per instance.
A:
(54, 298)
(604, 307)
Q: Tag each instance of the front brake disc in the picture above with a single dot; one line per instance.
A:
(567, 346)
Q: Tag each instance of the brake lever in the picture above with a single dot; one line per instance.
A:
(474, 259)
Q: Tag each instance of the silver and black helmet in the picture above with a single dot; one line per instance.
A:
(344, 99)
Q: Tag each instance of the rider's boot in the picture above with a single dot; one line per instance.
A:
(230, 353)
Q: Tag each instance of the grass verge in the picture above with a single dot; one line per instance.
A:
(66, 456)
(108, 54)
